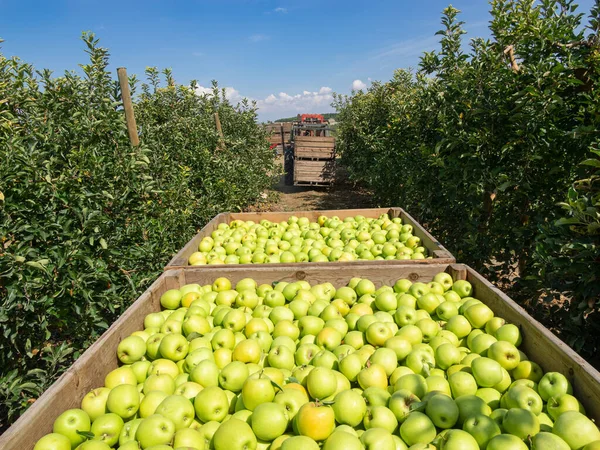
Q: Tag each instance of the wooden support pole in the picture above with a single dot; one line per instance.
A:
(221, 144)
(128, 106)
(510, 51)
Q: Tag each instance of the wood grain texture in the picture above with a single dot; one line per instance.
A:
(90, 369)
(87, 372)
(441, 254)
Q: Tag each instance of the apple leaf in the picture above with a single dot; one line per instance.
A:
(276, 385)
(418, 406)
(86, 434)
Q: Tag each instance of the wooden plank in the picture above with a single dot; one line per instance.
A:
(309, 145)
(542, 346)
(442, 255)
(306, 140)
(128, 106)
(320, 153)
(89, 370)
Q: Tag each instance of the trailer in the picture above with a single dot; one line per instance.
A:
(312, 153)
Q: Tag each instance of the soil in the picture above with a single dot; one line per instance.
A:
(343, 194)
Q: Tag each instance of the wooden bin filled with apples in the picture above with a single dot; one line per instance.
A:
(436, 252)
(90, 370)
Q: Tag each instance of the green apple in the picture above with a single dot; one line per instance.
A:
(548, 441)
(107, 428)
(459, 440)
(509, 333)
(321, 383)
(211, 404)
(233, 375)
(188, 438)
(128, 431)
(179, 409)
(523, 397)
(121, 375)
(478, 315)
(53, 441)
(269, 421)
(349, 408)
(372, 375)
(481, 343)
(482, 428)
(155, 430)
(150, 402)
(380, 417)
(123, 400)
(506, 442)
(375, 396)
(413, 383)
(447, 355)
(174, 347)
(94, 402)
(291, 400)
(469, 406)
(462, 288)
(342, 440)
(131, 349)
(234, 434)
(350, 366)
(417, 429)
(565, 402)
(163, 383)
(459, 325)
(299, 443)
(553, 384)
(256, 391)
(506, 354)
(377, 439)
(378, 333)
(93, 445)
(171, 299)
(442, 410)
(490, 396)
(462, 383)
(402, 285)
(486, 371)
(521, 423)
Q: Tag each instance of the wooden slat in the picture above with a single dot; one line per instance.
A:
(90, 369)
(307, 140)
(87, 372)
(542, 346)
(320, 152)
(442, 255)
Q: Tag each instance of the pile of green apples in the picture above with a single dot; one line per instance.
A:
(300, 240)
(298, 367)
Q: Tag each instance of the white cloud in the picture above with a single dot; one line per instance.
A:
(280, 10)
(283, 104)
(258, 37)
(197, 54)
(358, 85)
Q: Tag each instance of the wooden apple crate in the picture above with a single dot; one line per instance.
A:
(314, 148)
(435, 249)
(314, 173)
(89, 370)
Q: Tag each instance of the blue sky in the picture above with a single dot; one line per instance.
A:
(287, 55)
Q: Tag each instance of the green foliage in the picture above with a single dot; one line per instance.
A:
(87, 221)
(478, 151)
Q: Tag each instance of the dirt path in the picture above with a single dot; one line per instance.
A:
(342, 195)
